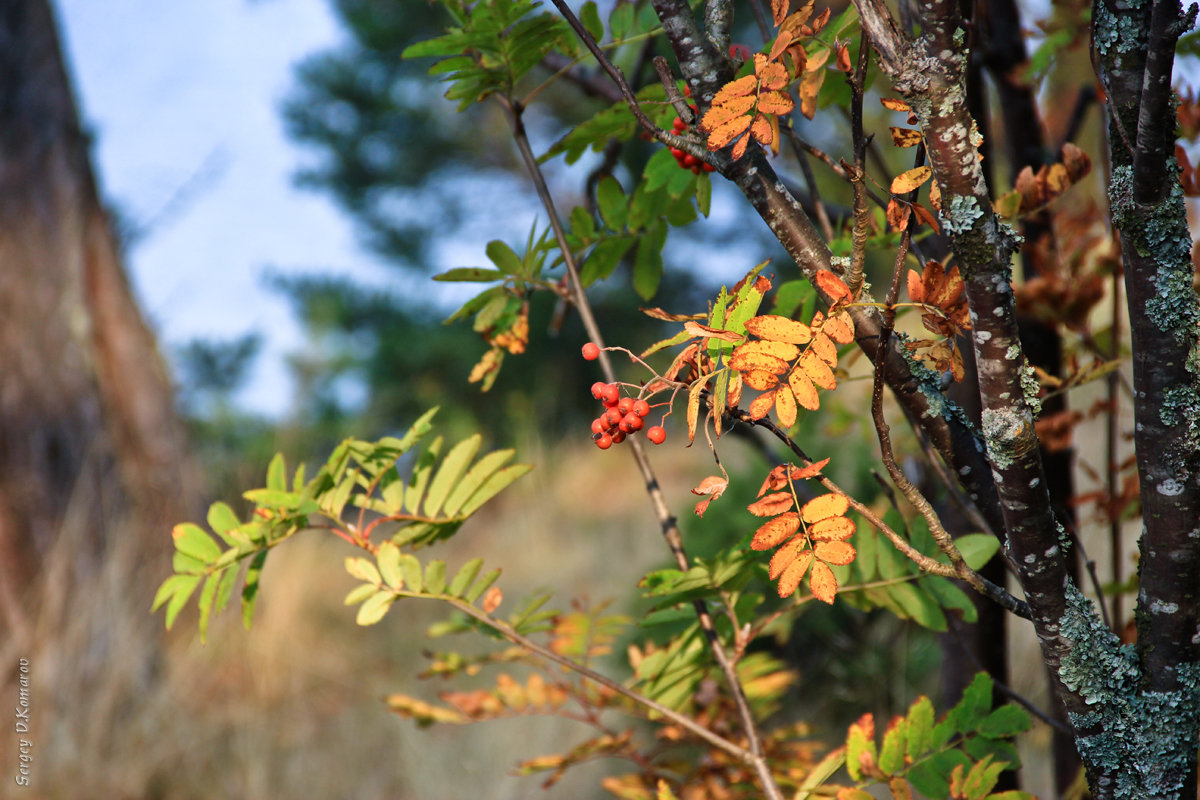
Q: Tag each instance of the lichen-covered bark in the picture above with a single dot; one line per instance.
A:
(1134, 44)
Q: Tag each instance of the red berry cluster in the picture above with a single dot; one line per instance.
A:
(687, 160)
(622, 417)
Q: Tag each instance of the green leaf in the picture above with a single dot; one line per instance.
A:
(610, 199)
(410, 568)
(362, 569)
(495, 484)
(927, 780)
(604, 258)
(795, 299)
(360, 593)
(481, 586)
(250, 588)
(225, 590)
(277, 473)
(918, 605)
(449, 472)
(388, 558)
(470, 274)
(286, 501)
(222, 519)
(948, 595)
(891, 752)
(476, 303)
(920, 729)
(192, 541)
(659, 170)
(1007, 720)
(672, 581)
(857, 744)
(182, 590)
(680, 182)
(582, 224)
(704, 193)
(620, 21)
(476, 475)
(648, 263)
(503, 257)
(977, 548)
(975, 704)
(185, 564)
(982, 778)
(375, 608)
(435, 577)
(168, 588)
(463, 578)
(866, 542)
(207, 595)
(590, 17)
(420, 476)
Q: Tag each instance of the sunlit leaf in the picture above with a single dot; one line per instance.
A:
(785, 406)
(826, 505)
(910, 180)
(837, 553)
(772, 504)
(831, 529)
(776, 530)
(779, 329)
(822, 582)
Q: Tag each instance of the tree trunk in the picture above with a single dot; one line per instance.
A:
(92, 454)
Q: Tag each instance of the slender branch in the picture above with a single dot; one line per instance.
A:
(666, 520)
(859, 234)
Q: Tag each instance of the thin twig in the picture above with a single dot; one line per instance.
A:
(858, 236)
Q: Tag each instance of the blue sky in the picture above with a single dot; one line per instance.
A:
(183, 98)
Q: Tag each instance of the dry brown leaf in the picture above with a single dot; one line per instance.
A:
(811, 471)
(905, 137)
(492, 599)
(710, 488)
(705, 332)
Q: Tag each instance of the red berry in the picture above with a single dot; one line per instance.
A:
(604, 442)
(633, 422)
(641, 408)
(618, 438)
(590, 351)
(611, 417)
(611, 394)
(677, 153)
(598, 389)
(657, 434)
(708, 167)
(598, 426)
(695, 168)
(625, 405)
(678, 124)
(690, 160)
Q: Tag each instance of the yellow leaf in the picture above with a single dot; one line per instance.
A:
(740, 88)
(761, 405)
(838, 553)
(822, 582)
(905, 137)
(831, 529)
(785, 555)
(785, 351)
(910, 180)
(894, 105)
(748, 361)
(802, 387)
(693, 407)
(785, 406)
(775, 531)
(817, 60)
(817, 370)
(779, 329)
(793, 573)
(826, 505)
(760, 379)
(810, 87)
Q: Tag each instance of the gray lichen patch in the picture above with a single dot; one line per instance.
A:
(1032, 388)
(1003, 430)
(1136, 743)
(960, 214)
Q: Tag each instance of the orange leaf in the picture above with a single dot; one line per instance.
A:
(703, 331)
(839, 327)
(810, 87)
(786, 555)
(794, 21)
(831, 529)
(775, 531)
(726, 133)
(910, 180)
(916, 289)
(832, 286)
(822, 582)
(900, 788)
(779, 10)
(762, 404)
(843, 59)
(779, 329)
(789, 581)
(785, 406)
(905, 137)
(817, 370)
(785, 351)
(765, 362)
(760, 379)
(776, 480)
(803, 389)
(739, 149)
(897, 214)
(825, 349)
(772, 505)
(837, 553)
(733, 395)
(821, 21)
(740, 88)
(935, 196)
(826, 505)
(761, 130)
(1076, 161)
(925, 215)
(686, 356)
(782, 41)
(894, 105)
(693, 406)
(811, 471)
(771, 74)
(713, 487)
(773, 102)
(492, 599)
